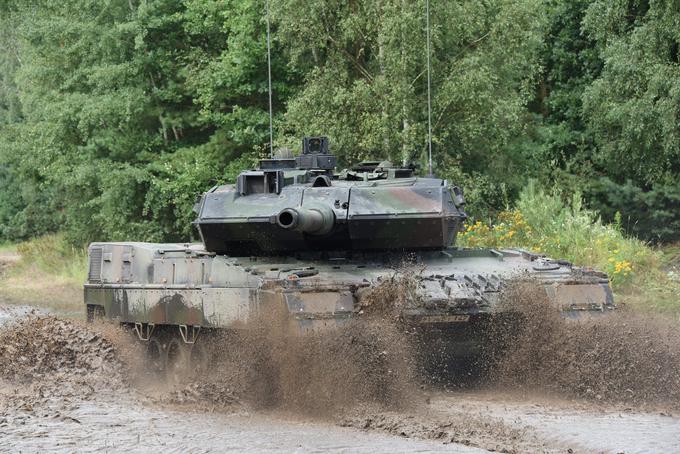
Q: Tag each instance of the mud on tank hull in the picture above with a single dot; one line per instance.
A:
(184, 288)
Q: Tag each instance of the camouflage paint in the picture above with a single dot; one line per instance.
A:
(188, 287)
(251, 263)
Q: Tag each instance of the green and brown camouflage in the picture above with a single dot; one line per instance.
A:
(289, 206)
(293, 235)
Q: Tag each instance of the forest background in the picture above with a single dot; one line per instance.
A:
(116, 114)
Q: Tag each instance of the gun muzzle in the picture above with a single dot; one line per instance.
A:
(315, 221)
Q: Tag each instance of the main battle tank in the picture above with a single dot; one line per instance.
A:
(295, 235)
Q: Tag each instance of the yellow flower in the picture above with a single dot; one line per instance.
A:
(623, 267)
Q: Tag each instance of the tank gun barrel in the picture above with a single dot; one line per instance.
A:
(315, 221)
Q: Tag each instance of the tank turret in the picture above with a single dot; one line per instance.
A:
(300, 204)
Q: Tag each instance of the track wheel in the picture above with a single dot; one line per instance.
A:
(177, 358)
(198, 358)
(156, 355)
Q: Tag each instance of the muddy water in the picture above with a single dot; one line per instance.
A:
(68, 387)
(567, 424)
(107, 424)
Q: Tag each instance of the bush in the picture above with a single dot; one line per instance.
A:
(52, 254)
(652, 215)
(542, 222)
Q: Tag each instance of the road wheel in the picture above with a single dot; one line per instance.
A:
(155, 353)
(177, 359)
(198, 358)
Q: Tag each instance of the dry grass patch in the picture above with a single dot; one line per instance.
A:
(44, 273)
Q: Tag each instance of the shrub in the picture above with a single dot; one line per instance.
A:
(542, 222)
(652, 214)
(52, 254)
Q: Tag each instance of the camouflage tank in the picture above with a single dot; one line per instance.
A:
(295, 235)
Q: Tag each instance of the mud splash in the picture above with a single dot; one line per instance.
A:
(362, 375)
(37, 347)
(621, 357)
(268, 364)
(48, 366)
(64, 386)
(265, 365)
(484, 432)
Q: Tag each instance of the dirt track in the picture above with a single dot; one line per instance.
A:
(63, 399)
(123, 424)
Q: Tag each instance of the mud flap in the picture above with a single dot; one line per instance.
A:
(319, 311)
(577, 300)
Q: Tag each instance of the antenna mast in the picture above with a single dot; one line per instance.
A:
(269, 79)
(429, 90)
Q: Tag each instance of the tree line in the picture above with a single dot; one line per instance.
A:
(115, 114)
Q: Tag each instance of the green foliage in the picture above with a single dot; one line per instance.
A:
(557, 140)
(542, 222)
(366, 85)
(652, 214)
(485, 196)
(633, 108)
(115, 114)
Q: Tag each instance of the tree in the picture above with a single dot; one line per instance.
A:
(633, 108)
(364, 65)
(129, 109)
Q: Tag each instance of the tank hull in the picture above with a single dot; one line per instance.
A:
(180, 285)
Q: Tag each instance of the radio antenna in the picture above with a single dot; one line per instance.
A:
(429, 90)
(269, 80)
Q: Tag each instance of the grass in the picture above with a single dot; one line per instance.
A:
(46, 273)
(8, 248)
(671, 257)
(641, 276)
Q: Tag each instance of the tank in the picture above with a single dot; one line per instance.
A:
(295, 235)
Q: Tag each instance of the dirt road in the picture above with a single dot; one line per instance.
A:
(111, 424)
(63, 390)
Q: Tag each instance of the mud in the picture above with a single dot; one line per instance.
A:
(553, 385)
(108, 424)
(38, 346)
(268, 365)
(567, 425)
(624, 357)
(67, 386)
(488, 433)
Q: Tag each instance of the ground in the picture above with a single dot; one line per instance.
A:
(481, 421)
(64, 388)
